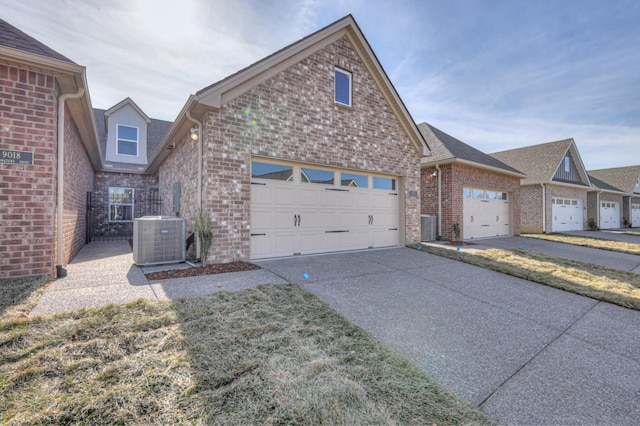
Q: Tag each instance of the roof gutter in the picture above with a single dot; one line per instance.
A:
(455, 160)
(60, 271)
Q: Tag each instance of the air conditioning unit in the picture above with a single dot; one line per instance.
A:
(428, 227)
(158, 240)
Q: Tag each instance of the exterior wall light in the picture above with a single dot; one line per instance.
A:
(194, 133)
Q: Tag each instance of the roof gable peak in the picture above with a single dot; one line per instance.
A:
(122, 103)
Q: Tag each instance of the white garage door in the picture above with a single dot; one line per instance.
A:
(567, 214)
(304, 210)
(609, 215)
(486, 213)
(635, 215)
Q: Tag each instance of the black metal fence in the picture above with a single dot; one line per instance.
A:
(100, 226)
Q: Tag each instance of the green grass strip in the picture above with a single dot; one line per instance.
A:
(592, 242)
(598, 282)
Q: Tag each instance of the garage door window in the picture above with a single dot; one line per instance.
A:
(491, 195)
(466, 192)
(324, 177)
(354, 180)
(271, 171)
(478, 193)
(384, 183)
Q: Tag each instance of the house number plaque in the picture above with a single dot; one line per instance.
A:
(16, 157)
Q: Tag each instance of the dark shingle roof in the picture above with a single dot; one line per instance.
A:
(156, 131)
(12, 37)
(602, 185)
(624, 178)
(445, 147)
(538, 162)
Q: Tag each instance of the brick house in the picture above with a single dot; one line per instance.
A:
(463, 185)
(553, 196)
(48, 154)
(123, 189)
(623, 196)
(309, 150)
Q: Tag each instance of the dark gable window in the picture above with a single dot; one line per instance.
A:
(342, 87)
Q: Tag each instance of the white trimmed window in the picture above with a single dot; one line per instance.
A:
(120, 204)
(127, 140)
(342, 87)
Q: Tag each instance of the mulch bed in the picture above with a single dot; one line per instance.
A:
(218, 268)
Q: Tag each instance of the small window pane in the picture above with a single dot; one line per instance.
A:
(502, 196)
(127, 148)
(567, 164)
(491, 195)
(478, 193)
(384, 183)
(128, 133)
(466, 192)
(121, 195)
(121, 213)
(271, 171)
(343, 87)
(325, 177)
(354, 180)
(574, 202)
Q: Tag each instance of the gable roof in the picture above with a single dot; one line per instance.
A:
(127, 101)
(624, 178)
(217, 94)
(540, 162)
(447, 149)
(12, 37)
(156, 131)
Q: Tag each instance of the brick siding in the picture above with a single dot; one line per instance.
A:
(453, 178)
(78, 180)
(143, 186)
(295, 119)
(27, 193)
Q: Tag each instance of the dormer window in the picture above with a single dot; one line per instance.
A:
(342, 87)
(127, 140)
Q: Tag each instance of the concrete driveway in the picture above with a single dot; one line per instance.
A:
(524, 352)
(611, 259)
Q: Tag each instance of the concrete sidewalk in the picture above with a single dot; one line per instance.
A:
(524, 352)
(103, 273)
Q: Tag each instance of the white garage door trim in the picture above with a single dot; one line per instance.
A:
(566, 214)
(609, 215)
(486, 213)
(299, 209)
(635, 215)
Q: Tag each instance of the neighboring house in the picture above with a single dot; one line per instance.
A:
(604, 205)
(627, 181)
(309, 150)
(123, 189)
(463, 185)
(48, 154)
(553, 196)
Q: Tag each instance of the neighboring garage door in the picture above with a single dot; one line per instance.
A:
(567, 214)
(635, 215)
(609, 215)
(486, 213)
(304, 210)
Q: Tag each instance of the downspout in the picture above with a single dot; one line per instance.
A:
(439, 233)
(199, 190)
(598, 208)
(544, 210)
(60, 270)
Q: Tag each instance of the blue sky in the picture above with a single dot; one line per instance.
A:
(496, 74)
